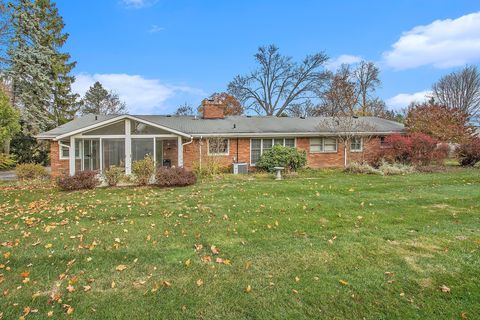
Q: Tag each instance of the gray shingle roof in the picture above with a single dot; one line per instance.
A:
(241, 125)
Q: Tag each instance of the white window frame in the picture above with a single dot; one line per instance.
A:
(322, 139)
(61, 147)
(361, 145)
(220, 153)
(273, 144)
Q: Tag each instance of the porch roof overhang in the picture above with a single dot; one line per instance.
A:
(109, 121)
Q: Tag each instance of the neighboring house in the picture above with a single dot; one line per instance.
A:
(95, 142)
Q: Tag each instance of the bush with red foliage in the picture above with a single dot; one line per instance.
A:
(80, 180)
(416, 148)
(468, 153)
(174, 177)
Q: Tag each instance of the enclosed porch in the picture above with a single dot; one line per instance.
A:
(120, 144)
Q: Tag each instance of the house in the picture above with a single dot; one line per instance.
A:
(96, 142)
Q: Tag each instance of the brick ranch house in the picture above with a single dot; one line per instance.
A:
(96, 142)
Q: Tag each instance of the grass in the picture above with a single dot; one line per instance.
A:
(324, 244)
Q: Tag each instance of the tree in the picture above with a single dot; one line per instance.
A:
(441, 122)
(367, 81)
(9, 121)
(307, 109)
(278, 82)
(64, 103)
(30, 65)
(351, 91)
(184, 110)
(232, 105)
(460, 90)
(98, 100)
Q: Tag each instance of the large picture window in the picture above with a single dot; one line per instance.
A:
(259, 146)
(141, 147)
(218, 146)
(318, 145)
(113, 153)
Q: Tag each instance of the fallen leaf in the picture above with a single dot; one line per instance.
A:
(49, 313)
(214, 250)
(87, 288)
(445, 289)
(248, 289)
(343, 282)
(70, 289)
(199, 282)
(121, 267)
(25, 274)
(297, 279)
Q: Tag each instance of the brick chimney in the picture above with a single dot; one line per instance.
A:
(213, 109)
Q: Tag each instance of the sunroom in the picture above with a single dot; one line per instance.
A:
(119, 142)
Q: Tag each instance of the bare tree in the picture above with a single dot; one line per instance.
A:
(341, 96)
(346, 129)
(278, 82)
(184, 110)
(307, 109)
(367, 81)
(460, 89)
(351, 91)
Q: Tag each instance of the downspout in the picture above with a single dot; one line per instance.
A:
(237, 153)
(200, 147)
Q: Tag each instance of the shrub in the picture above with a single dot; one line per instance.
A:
(6, 161)
(279, 156)
(389, 169)
(143, 170)
(113, 175)
(174, 177)
(80, 180)
(31, 171)
(363, 168)
(416, 148)
(468, 153)
(209, 167)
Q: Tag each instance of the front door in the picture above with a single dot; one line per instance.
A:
(91, 154)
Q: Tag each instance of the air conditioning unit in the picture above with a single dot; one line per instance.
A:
(240, 168)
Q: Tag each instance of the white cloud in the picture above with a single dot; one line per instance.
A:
(137, 4)
(154, 29)
(333, 64)
(142, 96)
(402, 100)
(442, 43)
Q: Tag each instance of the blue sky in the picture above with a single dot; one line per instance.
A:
(158, 54)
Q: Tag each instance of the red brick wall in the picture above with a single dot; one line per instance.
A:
(336, 159)
(191, 154)
(59, 167)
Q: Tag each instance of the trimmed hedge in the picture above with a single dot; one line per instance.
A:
(81, 180)
(174, 177)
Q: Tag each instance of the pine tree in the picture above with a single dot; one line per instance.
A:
(64, 102)
(30, 66)
(38, 70)
(98, 100)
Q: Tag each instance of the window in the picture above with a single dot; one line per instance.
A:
(383, 143)
(141, 147)
(113, 153)
(356, 145)
(323, 145)
(259, 146)
(65, 150)
(218, 146)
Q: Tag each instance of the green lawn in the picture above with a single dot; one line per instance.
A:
(321, 245)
